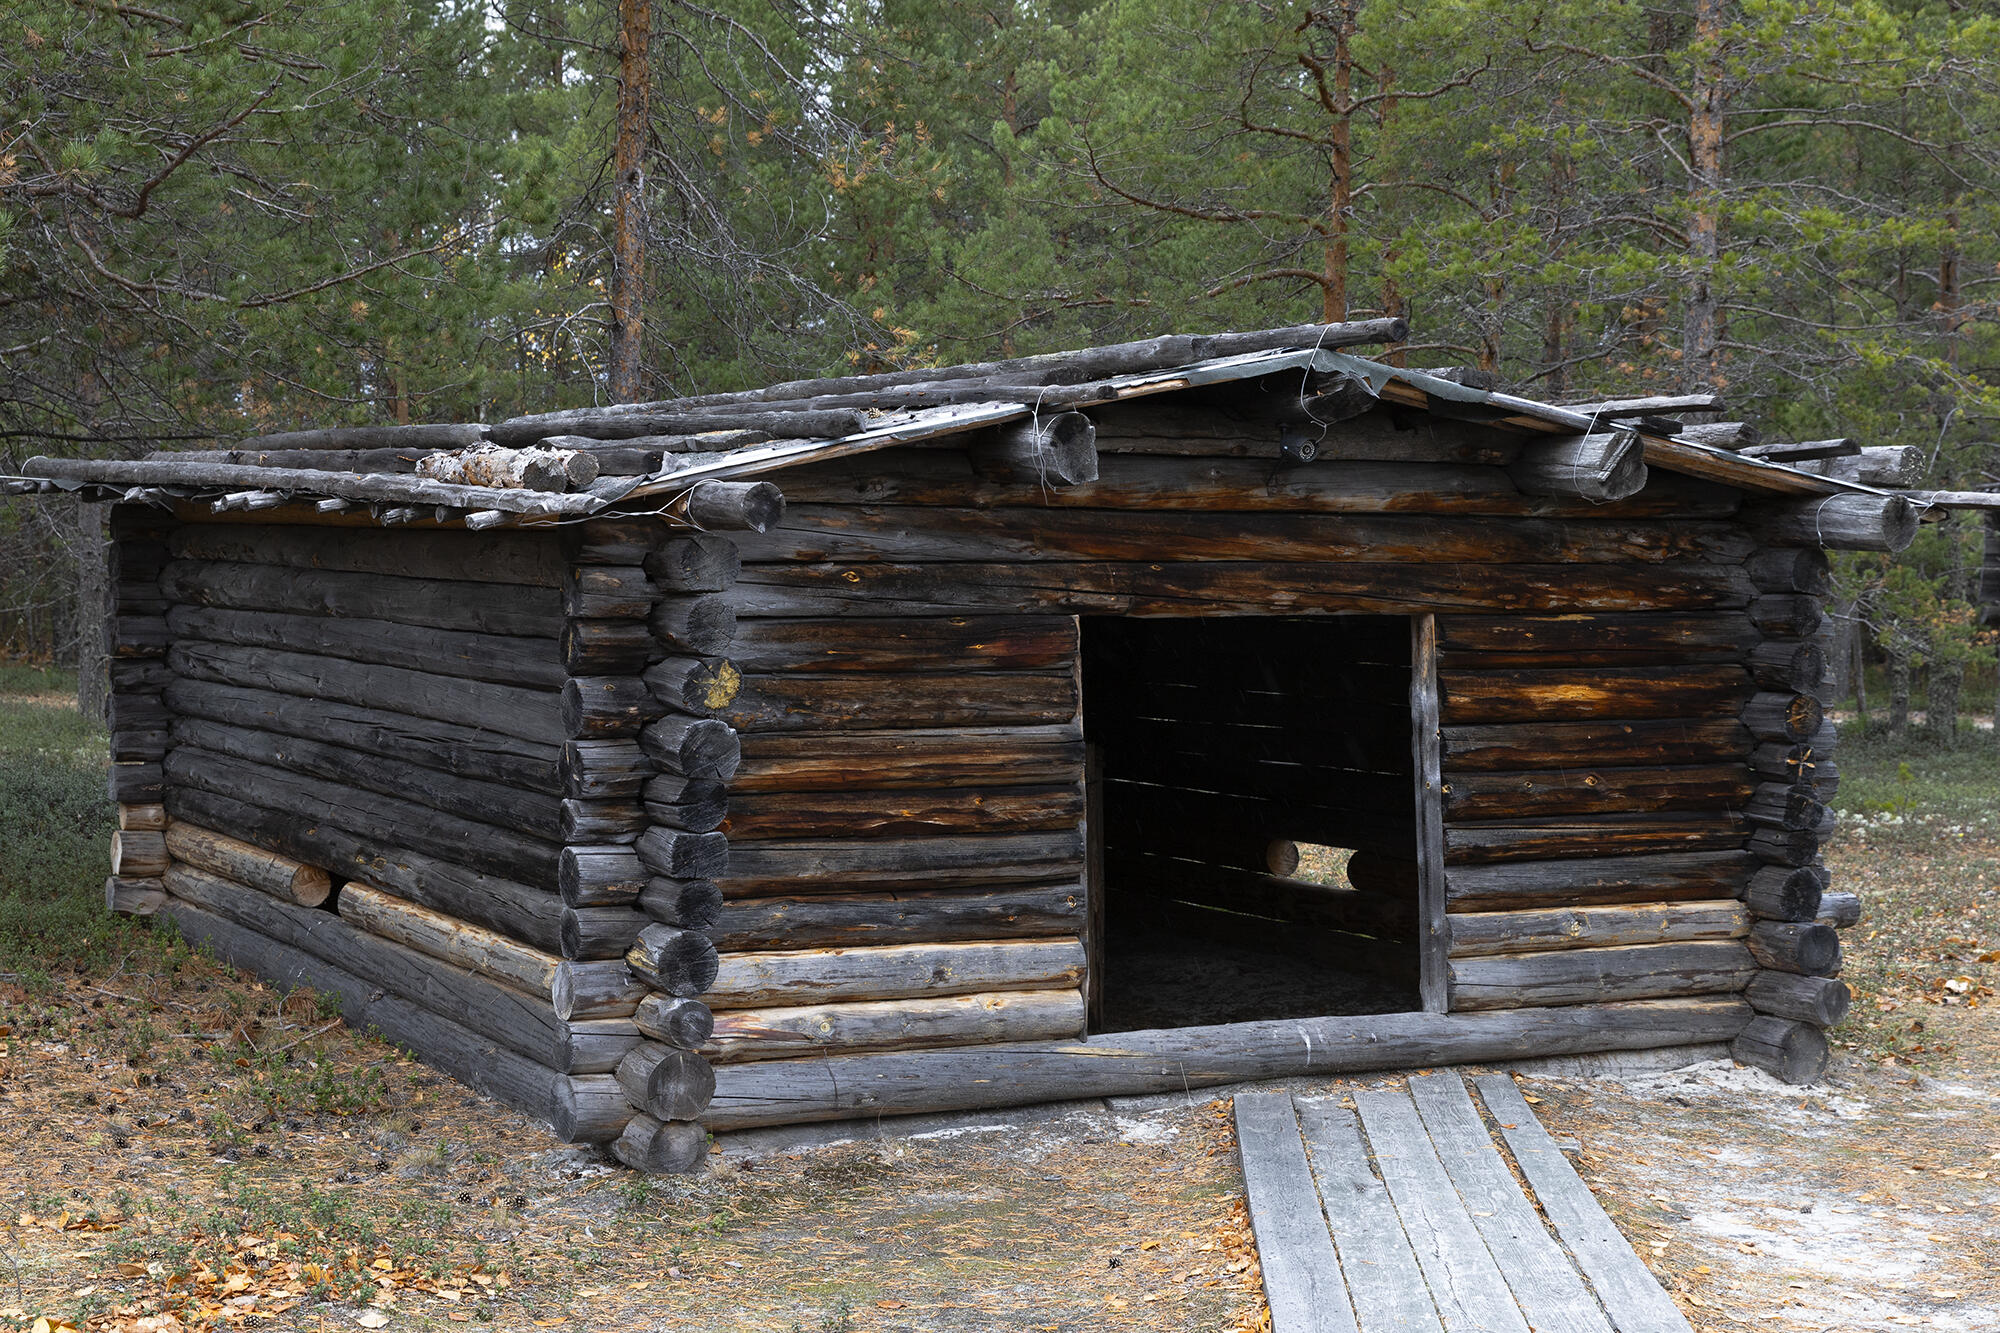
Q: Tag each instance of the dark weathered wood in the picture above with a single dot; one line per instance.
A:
(830, 921)
(1794, 1052)
(530, 915)
(696, 805)
(783, 1032)
(608, 592)
(703, 624)
(512, 810)
(1790, 718)
(1776, 805)
(607, 647)
(597, 707)
(694, 685)
(1785, 569)
(1840, 910)
(1810, 948)
(666, 1083)
(606, 875)
(483, 608)
(679, 962)
(1632, 1296)
(1609, 639)
(603, 769)
(1428, 794)
(601, 821)
(502, 659)
(1057, 450)
(529, 715)
(693, 904)
(1782, 665)
(938, 643)
(1794, 763)
(865, 701)
(927, 758)
(616, 540)
(253, 866)
(134, 896)
(675, 1021)
(675, 854)
(1847, 521)
(913, 534)
(1480, 934)
(589, 1108)
(1602, 467)
(1672, 877)
(1786, 893)
(692, 747)
(895, 971)
(1820, 1001)
(139, 747)
(137, 636)
(398, 822)
(734, 506)
(1788, 615)
(1221, 588)
(139, 675)
(698, 562)
(969, 809)
(1584, 790)
(661, 1147)
(130, 711)
(1302, 1281)
(530, 559)
(806, 865)
(1545, 745)
(1781, 847)
(1592, 836)
(1584, 976)
(1554, 694)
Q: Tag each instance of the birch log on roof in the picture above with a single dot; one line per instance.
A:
(372, 488)
(533, 469)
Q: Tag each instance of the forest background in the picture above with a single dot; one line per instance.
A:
(220, 218)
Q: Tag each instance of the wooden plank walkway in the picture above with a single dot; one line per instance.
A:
(1402, 1216)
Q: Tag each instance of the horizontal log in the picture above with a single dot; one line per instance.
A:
(1820, 1001)
(589, 1108)
(734, 506)
(134, 896)
(138, 854)
(1527, 695)
(1601, 467)
(932, 477)
(605, 875)
(1583, 976)
(1479, 934)
(697, 562)
(1787, 666)
(453, 748)
(601, 821)
(530, 559)
(703, 686)
(934, 643)
(776, 1092)
(1785, 569)
(696, 805)
(1777, 805)
(661, 1147)
(1790, 718)
(1583, 790)
(918, 758)
(1793, 1052)
(1886, 465)
(607, 647)
(1846, 521)
(139, 675)
(1221, 588)
(509, 1078)
(1542, 745)
(832, 865)
(533, 916)
(840, 921)
(1056, 450)
(135, 818)
(703, 625)
(128, 711)
(1577, 640)
(244, 863)
(608, 592)
(417, 789)
(675, 854)
(483, 608)
(396, 491)
(894, 971)
(1785, 847)
(1592, 836)
(693, 904)
(1795, 763)
(666, 1083)
(1786, 893)
(602, 707)
(918, 535)
(529, 715)
(486, 953)
(141, 636)
(1788, 615)
(867, 702)
(1840, 910)
(1673, 877)
(501, 659)
(884, 1025)
(617, 540)
(692, 747)
(760, 815)
(674, 1020)
(478, 846)
(603, 770)
(680, 962)
(581, 991)
(1811, 948)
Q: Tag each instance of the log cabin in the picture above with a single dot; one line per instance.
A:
(1134, 719)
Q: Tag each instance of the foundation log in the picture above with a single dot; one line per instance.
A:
(280, 876)
(661, 1147)
(958, 1020)
(1794, 1052)
(665, 1083)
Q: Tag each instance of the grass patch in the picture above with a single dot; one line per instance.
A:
(20, 678)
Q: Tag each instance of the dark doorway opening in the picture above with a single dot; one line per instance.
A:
(1254, 829)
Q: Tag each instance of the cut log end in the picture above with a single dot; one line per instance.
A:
(662, 1147)
(1792, 1051)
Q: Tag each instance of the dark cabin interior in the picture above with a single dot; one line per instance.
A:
(1254, 841)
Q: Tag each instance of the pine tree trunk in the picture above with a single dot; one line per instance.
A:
(1899, 689)
(1701, 342)
(1947, 678)
(628, 223)
(93, 589)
